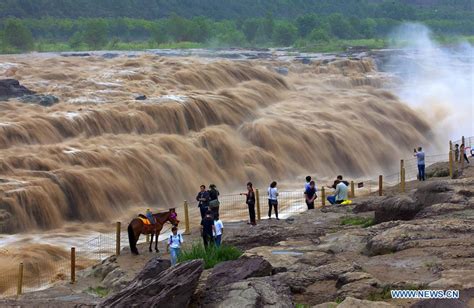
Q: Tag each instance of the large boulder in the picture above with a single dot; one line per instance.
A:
(232, 271)
(396, 208)
(11, 88)
(433, 193)
(156, 286)
(436, 170)
(253, 292)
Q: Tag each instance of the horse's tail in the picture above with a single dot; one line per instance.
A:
(132, 240)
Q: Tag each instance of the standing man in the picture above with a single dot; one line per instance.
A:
(207, 229)
(310, 195)
(174, 245)
(203, 201)
(306, 185)
(420, 157)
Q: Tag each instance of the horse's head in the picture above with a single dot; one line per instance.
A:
(173, 217)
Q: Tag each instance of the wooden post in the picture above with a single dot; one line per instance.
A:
(402, 165)
(187, 229)
(20, 280)
(380, 185)
(403, 180)
(462, 140)
(451, 173)
(117, 239)
(73, 264)
(257, 197)
(450, 145)
(462, 150)
(352, 189)
(323, 197)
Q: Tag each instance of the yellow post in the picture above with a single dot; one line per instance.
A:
(257, 199)
(20, 280)
(352, 190)
(450, 145)
(323, 197)
(451, 174)
(187, 229)
(73, 264)
(380, 185)
(117, 238)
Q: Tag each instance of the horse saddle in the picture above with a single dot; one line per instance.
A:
(144, 219)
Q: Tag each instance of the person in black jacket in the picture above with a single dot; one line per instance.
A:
(214, 199)
(250, 200)
(203, 201)
(207, 229)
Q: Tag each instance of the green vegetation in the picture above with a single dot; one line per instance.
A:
(211, 256)
(312, 25)
(99, 291)
(358, 221)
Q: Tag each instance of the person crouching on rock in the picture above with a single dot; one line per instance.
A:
(250, 200)
(341, 189)
(207, 229)
(310, 195)
(273, 200)
(174, 245)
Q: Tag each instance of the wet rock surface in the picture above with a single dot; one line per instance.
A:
(156, 286)
(12, 88)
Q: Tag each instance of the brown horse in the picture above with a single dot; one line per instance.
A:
(137, 227)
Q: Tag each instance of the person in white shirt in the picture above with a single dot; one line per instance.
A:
(273, 200)
(218, 230)
(174, 245)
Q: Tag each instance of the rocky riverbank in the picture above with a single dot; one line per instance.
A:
(348, 256)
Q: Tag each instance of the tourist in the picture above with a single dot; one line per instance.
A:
(310, 195)
(174, 245)
(214, 199)
(250, 200)
(420, 157)
(463, 154)
(207, 229)
(273, 200)
(203, 201)
(456, 152)
(218, 230)
(306, 185)
(341, 189)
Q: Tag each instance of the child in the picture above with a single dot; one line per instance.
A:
(218, 230)
(174, 245)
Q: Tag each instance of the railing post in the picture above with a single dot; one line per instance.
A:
(403, 180)
(451, 173)
(402, 165)
(450, 145)
(20, 280)
(257, 197)
(323, 197)
(73, 264)
(380, 185)
(117, 238)
(187, 229)
(462, 151)
(352, 190)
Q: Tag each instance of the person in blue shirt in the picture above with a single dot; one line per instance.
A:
(306, 185)
(420, 157)
(310, 195)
